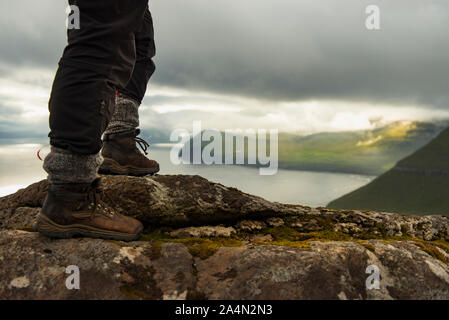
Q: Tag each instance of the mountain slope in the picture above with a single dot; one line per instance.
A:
(418, 184)
(370, 152)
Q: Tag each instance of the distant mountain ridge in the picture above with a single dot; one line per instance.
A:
(418, 184)
(369, 152)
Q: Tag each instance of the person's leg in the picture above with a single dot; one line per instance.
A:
(145, 67)
(126, 117)
(98, 59)
(120, 152)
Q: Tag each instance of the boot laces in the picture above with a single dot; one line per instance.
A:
(142, 144)
(95, 196)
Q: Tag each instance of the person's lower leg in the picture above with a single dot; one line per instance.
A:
(81, 106)
(120, 150)
(65, 167)
(126, 113)
(125, 117)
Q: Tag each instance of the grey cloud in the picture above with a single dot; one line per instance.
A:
(295, 50)
(12, 126)
(272, 49)
(32, 32)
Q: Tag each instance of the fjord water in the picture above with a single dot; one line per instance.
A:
(19, 167)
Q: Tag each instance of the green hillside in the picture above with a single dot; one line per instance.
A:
(419, 184)
(370, 152)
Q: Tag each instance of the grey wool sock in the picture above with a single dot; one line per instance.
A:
(125, 117)
(64, 166)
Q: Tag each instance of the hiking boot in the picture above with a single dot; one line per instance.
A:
(122, 157)
(72, 210)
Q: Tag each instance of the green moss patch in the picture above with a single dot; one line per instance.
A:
(26, 228)
(431, 249)
(198, 247)
(293, 244)
(291, 234)
(289, 237)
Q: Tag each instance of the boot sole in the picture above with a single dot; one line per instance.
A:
(110, 166)
(49, 228)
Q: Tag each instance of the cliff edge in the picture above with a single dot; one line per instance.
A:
(207, 241)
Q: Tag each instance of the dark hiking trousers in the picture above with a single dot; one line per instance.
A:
(112, 50)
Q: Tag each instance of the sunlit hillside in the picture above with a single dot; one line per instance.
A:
(367, 152)
(370, 152)
(418, 184)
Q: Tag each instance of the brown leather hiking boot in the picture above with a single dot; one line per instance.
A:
(122, 157)
(77, 210)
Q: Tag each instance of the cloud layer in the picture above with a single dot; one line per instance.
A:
(286, 63)
(299, 50)
(283, 49)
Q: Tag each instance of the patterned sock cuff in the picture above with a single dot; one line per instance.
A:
(125, 116)
(64, 166)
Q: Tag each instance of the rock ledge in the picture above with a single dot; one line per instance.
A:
(207, 241)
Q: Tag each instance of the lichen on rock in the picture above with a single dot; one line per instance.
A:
(206, 241)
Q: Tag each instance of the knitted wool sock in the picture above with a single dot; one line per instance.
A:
(125, 117)
(64, 166)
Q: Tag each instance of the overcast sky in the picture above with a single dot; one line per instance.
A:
(296, 65)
